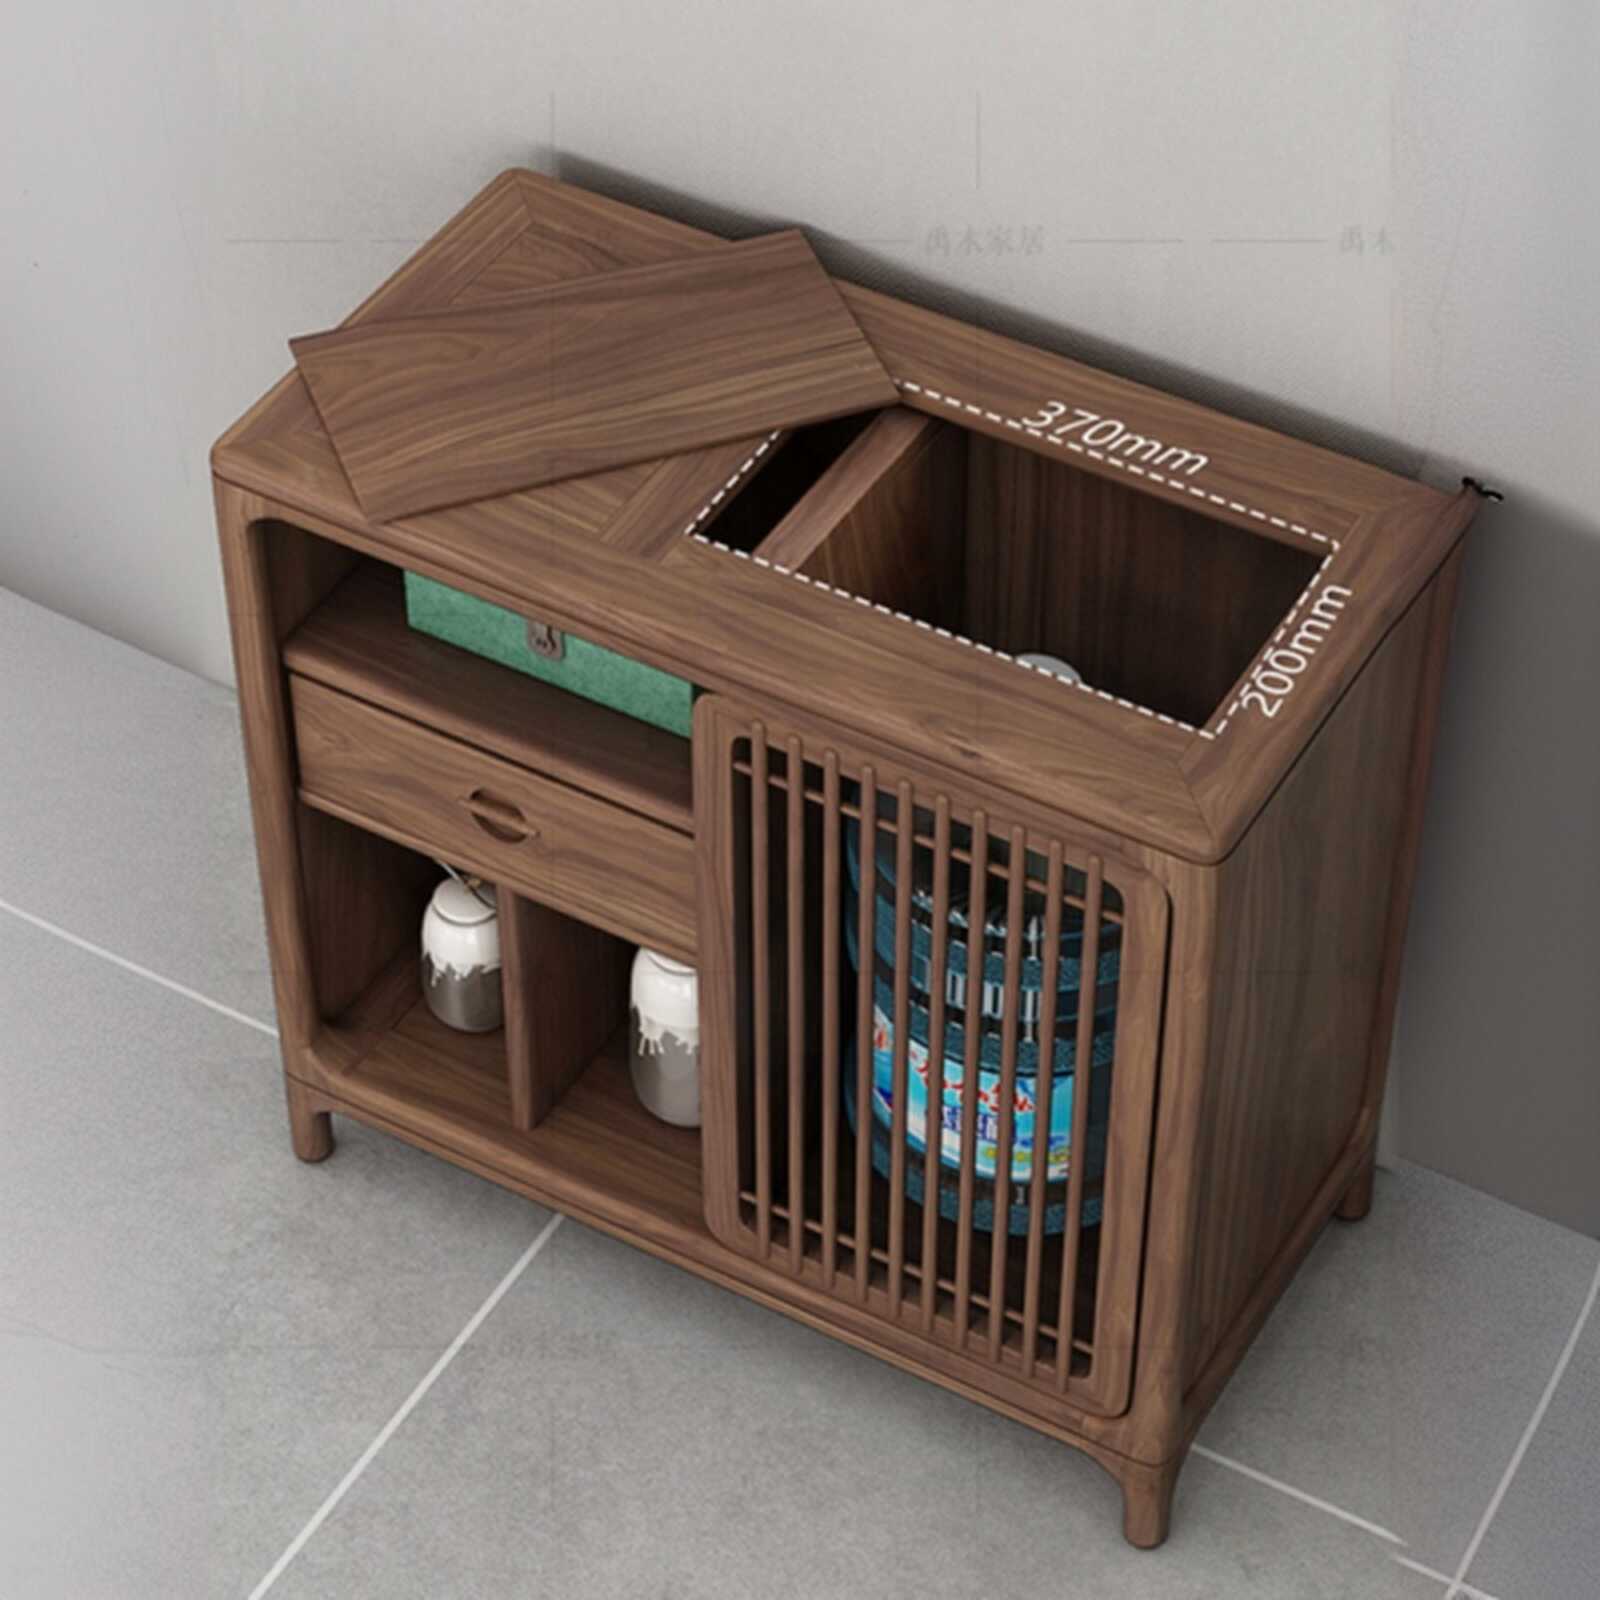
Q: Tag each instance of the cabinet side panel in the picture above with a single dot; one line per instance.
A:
(258, 589)
(1303, 914)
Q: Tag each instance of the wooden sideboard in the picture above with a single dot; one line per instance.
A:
(1217, 830)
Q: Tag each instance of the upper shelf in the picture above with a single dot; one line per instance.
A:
(1219, 585)
(357, 641)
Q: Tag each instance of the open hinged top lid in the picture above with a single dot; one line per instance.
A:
(439, 408)
(1218, 584)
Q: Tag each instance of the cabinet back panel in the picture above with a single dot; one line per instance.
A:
(1148, 600)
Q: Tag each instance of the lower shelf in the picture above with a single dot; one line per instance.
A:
(599, 1149)
(601, 1157)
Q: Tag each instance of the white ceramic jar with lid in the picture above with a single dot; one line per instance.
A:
(461, 957)
(664, 1038)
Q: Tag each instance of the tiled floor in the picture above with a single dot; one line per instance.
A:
(226, 1374)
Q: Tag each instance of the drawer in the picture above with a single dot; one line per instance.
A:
(556, 844)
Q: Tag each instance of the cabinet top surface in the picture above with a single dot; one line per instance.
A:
(629, 556)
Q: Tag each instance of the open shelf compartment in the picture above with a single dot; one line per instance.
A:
(357, 641)
(548, 1095)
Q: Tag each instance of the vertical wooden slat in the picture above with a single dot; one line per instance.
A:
(1050, 981)
(722, 852)
(933, 1128)
(977, 917)
(1011, 1008)
(1082, 1084)
(830, 1015)
(905, 833)
(795, 889)
(867, 860)
(760, 932)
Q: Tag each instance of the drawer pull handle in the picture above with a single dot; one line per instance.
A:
(499, 818)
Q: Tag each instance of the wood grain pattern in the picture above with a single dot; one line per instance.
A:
(652, 522)
(1439, 602)
(728, 624)
(990, 381)
(435, 409)
(310, 1127)
(581, 855)
(694, 613)
(601, 1157)
(885, 523)
(743, 1080)
(280, 441)
(566, 993)
(1275, 861)
(1152, 601)
(1301, 948)
(1380, 572)
(244, 536)
(1156, 603)
(365, 896)
(523, 232)
(792, 465)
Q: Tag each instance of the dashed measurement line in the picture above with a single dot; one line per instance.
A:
(1277, 668)
(1321, 620)
(1121, 463)
(1113, 437)
(933, 628)
(732, 483)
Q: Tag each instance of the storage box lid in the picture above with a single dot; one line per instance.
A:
(464, 403)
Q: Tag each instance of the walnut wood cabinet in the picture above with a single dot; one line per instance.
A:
(1219, 828)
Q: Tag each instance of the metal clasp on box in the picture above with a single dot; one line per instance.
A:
(546, 641)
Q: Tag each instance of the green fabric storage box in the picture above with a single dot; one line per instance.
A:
(598, 674)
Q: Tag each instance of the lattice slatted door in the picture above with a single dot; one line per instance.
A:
(883, 953)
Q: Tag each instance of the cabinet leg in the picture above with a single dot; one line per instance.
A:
(1357, 1201)
(310, 1130)
(1147, 1502)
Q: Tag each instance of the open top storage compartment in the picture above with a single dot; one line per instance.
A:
(782, 476)
(1001, 546)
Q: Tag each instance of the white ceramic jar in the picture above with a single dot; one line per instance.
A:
(664, 1038)
(461, 958)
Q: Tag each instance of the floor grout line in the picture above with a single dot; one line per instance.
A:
(407, 1406)
(138, 971)
(1458, 1585)
(1441, 1577)
(1297, 1494)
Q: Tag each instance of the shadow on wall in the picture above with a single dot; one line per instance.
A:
(1498, 1042)
(873, 269)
